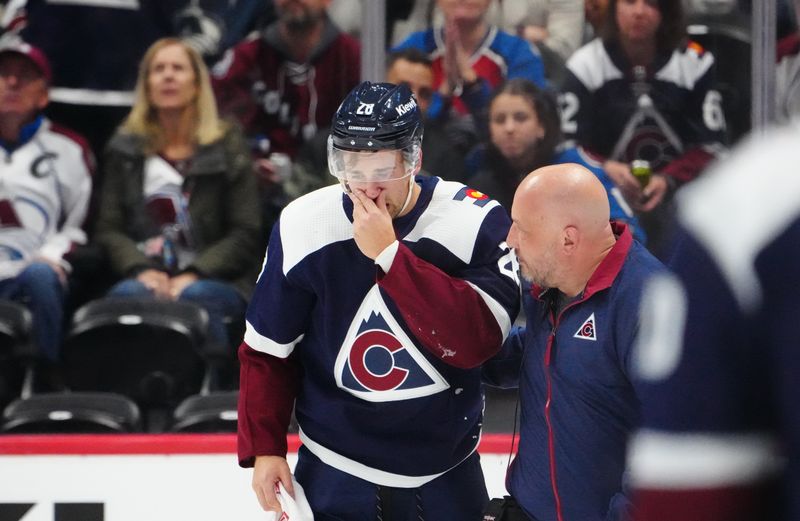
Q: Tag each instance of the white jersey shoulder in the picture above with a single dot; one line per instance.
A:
(70, 150)
(743, 204)
(592, 65)
(312, 222)
(454, 223)
(686, 66)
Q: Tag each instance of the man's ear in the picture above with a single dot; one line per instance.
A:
(44, 99)
(570, 237)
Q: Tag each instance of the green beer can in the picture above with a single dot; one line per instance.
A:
(641, 170)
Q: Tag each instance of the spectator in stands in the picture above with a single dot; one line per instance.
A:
(448, 138)
(642, 92)
(554, 24)
(342, 13)
(572, 363)
(179, 213)
(46, 185)
(471, 57)
(595, 13)
(525, 134)
(284, 84)
(94, 48)
(214, 26)
(717, 358)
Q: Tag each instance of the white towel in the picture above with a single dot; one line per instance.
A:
(296, 509)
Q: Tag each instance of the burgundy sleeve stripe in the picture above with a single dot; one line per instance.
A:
(709, 504)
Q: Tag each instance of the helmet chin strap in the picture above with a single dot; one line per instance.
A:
(408, 197)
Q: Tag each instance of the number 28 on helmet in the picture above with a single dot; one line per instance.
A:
(373, 123)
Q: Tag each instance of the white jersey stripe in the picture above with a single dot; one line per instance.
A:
(677, 460)
(592, 65)
(359, 470)
(261, 343)
(735, 224)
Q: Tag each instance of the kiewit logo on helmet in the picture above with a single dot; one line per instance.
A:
(405, 107)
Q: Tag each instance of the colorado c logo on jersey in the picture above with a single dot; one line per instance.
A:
(378, 362)
(42, 166)
(587, 330)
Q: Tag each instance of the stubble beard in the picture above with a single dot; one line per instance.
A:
(302, 22)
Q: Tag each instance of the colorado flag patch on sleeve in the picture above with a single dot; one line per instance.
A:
(474, 196)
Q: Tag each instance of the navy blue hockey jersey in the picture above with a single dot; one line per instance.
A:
(719, 357)
(671, 116)
(387, 385)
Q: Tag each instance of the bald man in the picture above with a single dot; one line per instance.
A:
(583, 279)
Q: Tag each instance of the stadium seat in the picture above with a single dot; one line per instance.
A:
(148, 350)
(15, 349)
(50, 412)
(71, 413)
(212, 412)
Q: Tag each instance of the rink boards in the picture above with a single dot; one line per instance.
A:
(149, 477)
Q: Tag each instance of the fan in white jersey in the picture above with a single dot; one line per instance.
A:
(45, 184)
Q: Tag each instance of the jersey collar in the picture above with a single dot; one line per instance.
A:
(614, 51)
(26, 133)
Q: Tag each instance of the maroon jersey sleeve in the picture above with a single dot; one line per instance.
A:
(268, 386)
(423, 293)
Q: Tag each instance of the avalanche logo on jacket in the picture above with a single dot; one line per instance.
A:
(587, 329)
(378, 362)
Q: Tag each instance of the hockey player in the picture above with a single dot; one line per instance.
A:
(371, 315)
(572, 363)
(44, 195)
(471, 57)
(718, 356)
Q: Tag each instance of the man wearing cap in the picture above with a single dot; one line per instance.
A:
(377, 302)
(45, 183)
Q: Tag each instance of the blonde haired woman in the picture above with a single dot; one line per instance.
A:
(179, 213)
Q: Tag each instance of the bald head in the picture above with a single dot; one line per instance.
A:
(561, 226)
(567, 194)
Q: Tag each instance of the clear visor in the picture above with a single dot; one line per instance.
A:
(368, 167)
